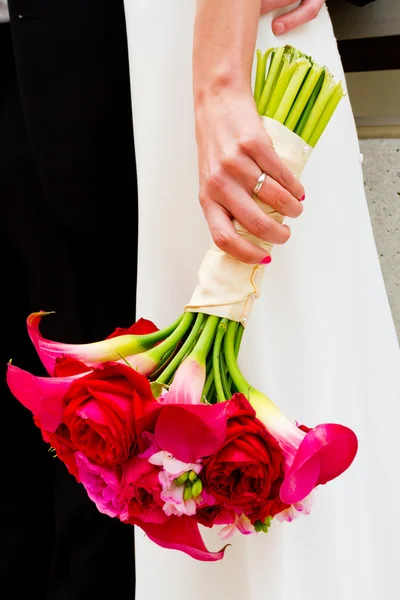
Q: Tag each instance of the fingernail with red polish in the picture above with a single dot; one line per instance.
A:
(265, 261)
(303, 198)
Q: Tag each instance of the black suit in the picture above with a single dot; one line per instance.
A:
(68, 235)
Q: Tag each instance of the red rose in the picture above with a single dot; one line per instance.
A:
(141, 491)
(101, 409)
(61, 442)
(246, 474)
(215, 515)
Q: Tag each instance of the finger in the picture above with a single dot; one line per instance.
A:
(266, 6)
(226, 238)
(273, 194)
(246, 172)
(242, 207)
(307, 11)
(261, 150)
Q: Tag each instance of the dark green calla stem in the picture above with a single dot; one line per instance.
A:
(238, 338)
(302, 122)
(159, 351)
(209, 383)
(167, 374)
(224, 379)
(149, 340)
(229, 351)
(222, 328)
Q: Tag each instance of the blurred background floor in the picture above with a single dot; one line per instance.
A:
(369, 43)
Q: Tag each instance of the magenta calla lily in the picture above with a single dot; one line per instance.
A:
(43, 396)
(181, 533)
(92, 355)
(325, 453)
(311, 458)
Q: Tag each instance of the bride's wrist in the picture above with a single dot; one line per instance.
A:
(219, 82)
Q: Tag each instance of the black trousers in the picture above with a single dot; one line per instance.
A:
(54, 544)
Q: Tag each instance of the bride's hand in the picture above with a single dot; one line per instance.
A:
(305, 12)
(234, 149)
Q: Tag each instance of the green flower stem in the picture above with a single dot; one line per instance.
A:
(222, 328)
(260, 73)
(229, 351)
(238, 339)
(209, 363)
(327, 113)
(224, 379)
(159, 351)
(273, 74)
(266, 410)
(209, 384)
(320, 103)
(149, 340)
(303, 97)
(162, 364)
(302, 67)
(205, 340)
(167, 374)
(309, 106)
(211, 398)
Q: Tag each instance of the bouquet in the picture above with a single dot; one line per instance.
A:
(160, 426)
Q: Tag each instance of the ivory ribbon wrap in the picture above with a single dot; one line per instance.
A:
(227, 287)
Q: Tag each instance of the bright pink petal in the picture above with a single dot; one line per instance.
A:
(181, 533)
(299, 483)
(43, 396)
(188, 383)
(227, 532)
(137, 469)
(244, 525)
(325, 452)
(152, 448)
(102, 486)
(190, 432)
(339, 447)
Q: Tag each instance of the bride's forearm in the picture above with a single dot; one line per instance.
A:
(224, 40)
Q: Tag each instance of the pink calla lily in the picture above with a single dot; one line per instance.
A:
(92, 355)
(188, 383)
(311, 458)
(43, 396)
(325, 453)
(181, 533)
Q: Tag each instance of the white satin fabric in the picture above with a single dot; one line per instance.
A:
(320, 341)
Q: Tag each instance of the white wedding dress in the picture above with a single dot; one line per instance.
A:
(320, 341)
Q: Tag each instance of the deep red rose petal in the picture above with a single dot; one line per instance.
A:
(65, 366)
(141, 327)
